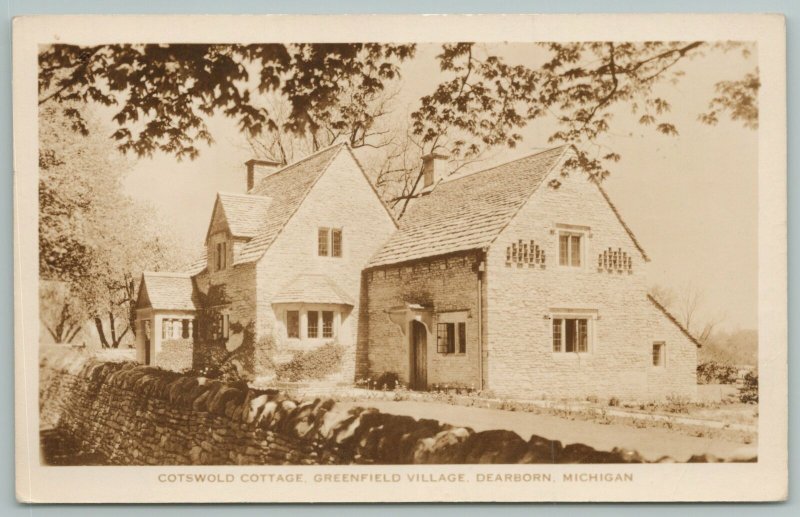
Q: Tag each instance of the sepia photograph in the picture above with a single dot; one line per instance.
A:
(420, 252)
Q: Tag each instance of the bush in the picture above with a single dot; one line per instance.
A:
(387, 381)
(713, 372)
(677, 403)
(312, 364)
(748, 391)
(226, 372)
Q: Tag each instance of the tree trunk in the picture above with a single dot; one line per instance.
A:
(100, 332)
(114, 341)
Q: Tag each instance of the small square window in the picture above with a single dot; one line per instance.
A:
(659, 354)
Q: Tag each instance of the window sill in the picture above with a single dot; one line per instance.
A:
(574, 355)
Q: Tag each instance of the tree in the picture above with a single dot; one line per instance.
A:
(328, 91)
(685, 305)
(60, 311)
(93, 239)
(166, 90)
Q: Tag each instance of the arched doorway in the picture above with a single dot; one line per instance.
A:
(418, 378)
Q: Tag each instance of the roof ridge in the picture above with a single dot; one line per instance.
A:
(239, 194)
(167, 273)
(449, 179)
(301, 160)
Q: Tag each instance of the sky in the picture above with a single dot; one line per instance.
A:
(691, 200)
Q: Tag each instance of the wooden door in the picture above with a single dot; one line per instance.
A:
(419, 356)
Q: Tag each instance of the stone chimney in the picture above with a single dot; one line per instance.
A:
(258, 170)
(434, 168)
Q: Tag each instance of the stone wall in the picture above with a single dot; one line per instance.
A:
(443, 284)
(129, 414)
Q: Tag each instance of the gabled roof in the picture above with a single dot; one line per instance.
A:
(468, 212)
(167, 291)
(286, 188)
(312, 288)
(244, 212)
(674, 320)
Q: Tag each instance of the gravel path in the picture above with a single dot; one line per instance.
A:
(652, 443)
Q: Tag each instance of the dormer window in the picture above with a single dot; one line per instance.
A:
(222, 255)
(329, 242)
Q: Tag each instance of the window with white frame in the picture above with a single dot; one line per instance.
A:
(570, 248)
(572, 334)
(329, 242)
(659, 354)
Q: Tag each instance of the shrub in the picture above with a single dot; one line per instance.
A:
(226, 372)
(677, 403)
(312, 364)
(713, 372)
(387, 381)
(748, 391)
(613, 402)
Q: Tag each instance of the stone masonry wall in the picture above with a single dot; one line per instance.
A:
(442, 283)
(342, 198)
(522, 300)
(141, 415)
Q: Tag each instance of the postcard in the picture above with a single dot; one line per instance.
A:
(385, 258)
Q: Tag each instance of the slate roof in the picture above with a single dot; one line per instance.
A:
(286, 188)
(674, 320)
(244, 212)
(467, 212)
(312, 288)
(169, 291)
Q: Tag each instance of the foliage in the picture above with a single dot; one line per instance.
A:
(738, 347)
(313, 364)
(92, 237)
(387, 381)
(295, 98)
(166, 91)
(712, 372)
(748, 391)
(739, 97)
(60, 311)
(677, 403)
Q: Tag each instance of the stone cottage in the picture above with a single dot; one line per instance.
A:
(282, 267)
(522, 279)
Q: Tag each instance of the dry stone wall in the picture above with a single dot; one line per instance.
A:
(130, 414)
